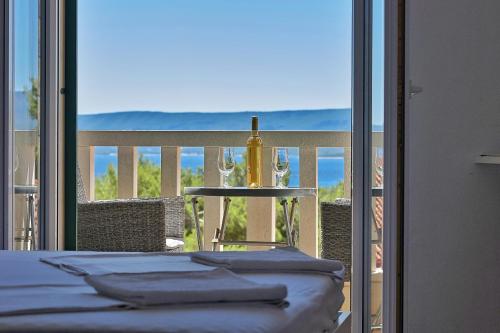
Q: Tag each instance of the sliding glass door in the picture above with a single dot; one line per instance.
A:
(376, 224)
(25, 123)
(265, 56)
(28, 127)
(368, 164)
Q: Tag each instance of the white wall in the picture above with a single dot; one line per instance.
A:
(452, 222)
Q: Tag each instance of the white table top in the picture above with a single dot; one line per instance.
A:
(251, 192)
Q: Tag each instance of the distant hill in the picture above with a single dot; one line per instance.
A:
(308, 120)
(312, 120)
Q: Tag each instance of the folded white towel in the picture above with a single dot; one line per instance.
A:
(106, 263)
(275, 260)
(219, 285)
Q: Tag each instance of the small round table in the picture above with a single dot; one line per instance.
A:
(267, 192)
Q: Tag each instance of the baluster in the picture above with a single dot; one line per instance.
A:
(213, 205)
(127, 172)
(170, 171)
(261, 212)
(308, 228)
(86, 155)
(347, 172)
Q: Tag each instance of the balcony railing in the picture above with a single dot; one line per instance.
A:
(260, 211)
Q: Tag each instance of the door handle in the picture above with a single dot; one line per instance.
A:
(414, 90)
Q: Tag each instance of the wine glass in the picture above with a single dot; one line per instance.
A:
(280, 164)
(226, 163)
(16, 161)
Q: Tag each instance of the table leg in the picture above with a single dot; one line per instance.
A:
(219, 233)
(31, 222)
(289, 216)
(284, 204)
(215, 238)
(292, 216)
(194, 203)
(227, 202)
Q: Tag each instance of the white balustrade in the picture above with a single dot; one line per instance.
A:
(260, 211)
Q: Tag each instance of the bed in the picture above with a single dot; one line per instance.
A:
(314, 303)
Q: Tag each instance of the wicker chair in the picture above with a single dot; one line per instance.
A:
(336, 233)
(336, 243)
(128, 225)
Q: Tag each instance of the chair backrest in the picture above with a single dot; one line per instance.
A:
(336, 232)
(141, 225)
(81, 196)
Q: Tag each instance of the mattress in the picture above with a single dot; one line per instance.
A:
(314, 304)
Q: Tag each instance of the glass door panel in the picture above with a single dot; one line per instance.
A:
(377, 165)
(25, 115)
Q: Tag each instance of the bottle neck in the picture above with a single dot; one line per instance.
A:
(255, 132)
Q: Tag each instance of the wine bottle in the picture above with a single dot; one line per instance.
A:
(254, 156)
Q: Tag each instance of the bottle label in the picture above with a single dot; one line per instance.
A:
(254, 171)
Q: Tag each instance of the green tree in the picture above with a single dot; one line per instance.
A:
(33, 96)
(106, 185)
(148, 179)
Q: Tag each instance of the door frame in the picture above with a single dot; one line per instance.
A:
(394, 20)
(70, 122)
(362, 165)
(49, 124)
(361, 162)
(5, 147)
(361, 87)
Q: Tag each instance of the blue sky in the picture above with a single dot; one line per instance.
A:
(215, 55)
(25, 43)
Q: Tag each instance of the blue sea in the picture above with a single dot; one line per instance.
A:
(330, 166)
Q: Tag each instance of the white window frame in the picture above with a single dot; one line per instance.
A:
(49, 188)
(6, 151)
(362, 160)
(391, 242)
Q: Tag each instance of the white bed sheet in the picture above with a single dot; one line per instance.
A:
(314, 303)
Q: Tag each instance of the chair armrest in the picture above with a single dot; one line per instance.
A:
(129, 225)
(174, 216)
